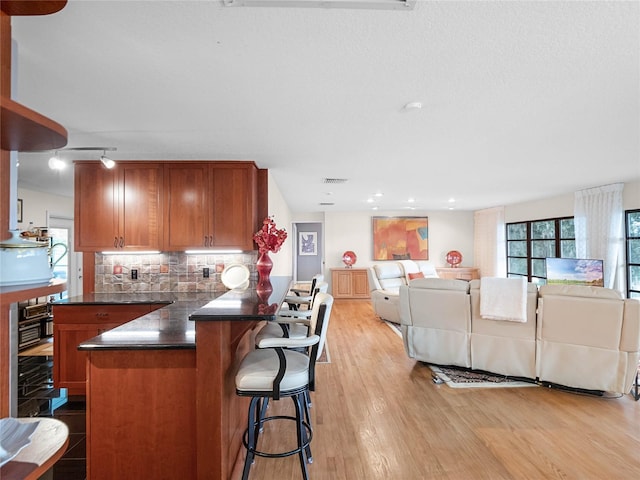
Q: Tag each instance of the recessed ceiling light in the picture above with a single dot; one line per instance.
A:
(378, 194)
(369, 200)
(375, 208)
(451, 200)
(413, 106)
(411, 200)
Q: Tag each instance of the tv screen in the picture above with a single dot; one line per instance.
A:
(575, 271)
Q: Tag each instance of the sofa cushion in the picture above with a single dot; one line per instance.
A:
(415, 275)
(580, 291)
(441, 284)
(425, 267)
(390, 275)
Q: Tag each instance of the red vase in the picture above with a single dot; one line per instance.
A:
(264, 266)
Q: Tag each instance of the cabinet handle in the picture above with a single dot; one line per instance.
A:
(206, 241)
(211, 240)
(121, 242)
(115, 242)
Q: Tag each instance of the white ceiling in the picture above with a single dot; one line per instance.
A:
(521, 99)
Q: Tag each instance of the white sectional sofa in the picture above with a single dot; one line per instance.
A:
(385, 280)
(577, 336)
(587, 337)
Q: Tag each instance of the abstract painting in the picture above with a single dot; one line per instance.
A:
(400, 238)
(308, 242)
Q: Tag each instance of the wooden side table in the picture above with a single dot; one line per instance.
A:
(458, 273)
(350, 283)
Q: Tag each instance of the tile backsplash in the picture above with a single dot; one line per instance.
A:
(166, 272)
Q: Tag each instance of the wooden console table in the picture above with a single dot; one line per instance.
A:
(349, 283)
(458, 273)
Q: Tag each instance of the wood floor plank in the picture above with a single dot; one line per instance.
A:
(378, 416)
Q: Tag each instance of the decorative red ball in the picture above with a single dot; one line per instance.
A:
(454, 258)
(349, 258)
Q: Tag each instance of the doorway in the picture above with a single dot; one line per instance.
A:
(308, 255)
(67, 263)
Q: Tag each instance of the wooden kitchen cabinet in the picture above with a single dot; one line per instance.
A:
(72, 325)
(349, 283)
(210, 205)
(118, 209)
(458, 273)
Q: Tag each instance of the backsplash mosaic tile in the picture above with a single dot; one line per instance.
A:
(166, 272)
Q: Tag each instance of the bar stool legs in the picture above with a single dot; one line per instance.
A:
(256, 420)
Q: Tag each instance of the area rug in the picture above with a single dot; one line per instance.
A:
(464, 378)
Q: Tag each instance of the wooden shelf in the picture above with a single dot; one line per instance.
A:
(25, 130)
(17, 293)
(31, 7)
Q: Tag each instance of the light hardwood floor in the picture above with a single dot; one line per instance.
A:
(378, 415)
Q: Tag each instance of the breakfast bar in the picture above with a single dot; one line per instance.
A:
(161, 397)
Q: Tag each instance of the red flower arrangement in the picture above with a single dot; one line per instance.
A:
(269, 238)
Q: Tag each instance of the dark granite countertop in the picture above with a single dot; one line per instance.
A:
(133, 298)
(172, 326)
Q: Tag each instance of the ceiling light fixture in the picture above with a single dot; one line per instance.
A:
(106, 161)
(56, 163)
(413, 106)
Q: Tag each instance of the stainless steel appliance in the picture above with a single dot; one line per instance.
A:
(34, 323)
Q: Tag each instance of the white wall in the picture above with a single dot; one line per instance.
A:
(279, 210)
(562, 206)
(35, 206)
(449, 230)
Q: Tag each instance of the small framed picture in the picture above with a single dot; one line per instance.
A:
(307, 243)
(19, 217)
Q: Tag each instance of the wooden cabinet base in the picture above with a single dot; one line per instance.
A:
(458, 273)
(350, 283)
(141, 414)
(167, 414)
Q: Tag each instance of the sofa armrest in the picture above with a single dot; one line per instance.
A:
(630, 337)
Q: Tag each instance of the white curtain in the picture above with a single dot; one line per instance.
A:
(599, 224)
(489, 244)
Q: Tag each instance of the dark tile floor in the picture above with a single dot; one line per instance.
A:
(73, 464)
(38, 397)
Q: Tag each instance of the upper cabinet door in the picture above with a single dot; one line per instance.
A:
(233, 190)
(96, 208)
(140, 206)
(186, 209)
(119, 209)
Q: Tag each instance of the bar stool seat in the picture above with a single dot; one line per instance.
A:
(273, 371)
(259, 369)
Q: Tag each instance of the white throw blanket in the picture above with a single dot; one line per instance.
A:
(503, 299)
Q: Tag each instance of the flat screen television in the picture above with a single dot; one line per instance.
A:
(575, 271)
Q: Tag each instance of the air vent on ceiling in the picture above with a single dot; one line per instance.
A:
(326, 203)
(335, 180)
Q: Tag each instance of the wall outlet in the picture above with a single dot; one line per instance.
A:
(205, 272)
(134, 274)
(117, 269)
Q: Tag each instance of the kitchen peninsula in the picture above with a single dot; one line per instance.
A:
(160, 389)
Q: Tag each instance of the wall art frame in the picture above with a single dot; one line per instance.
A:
(307, 243)
(400, 238)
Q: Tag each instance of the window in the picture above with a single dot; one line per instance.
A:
(529, 243)
(632, 228)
